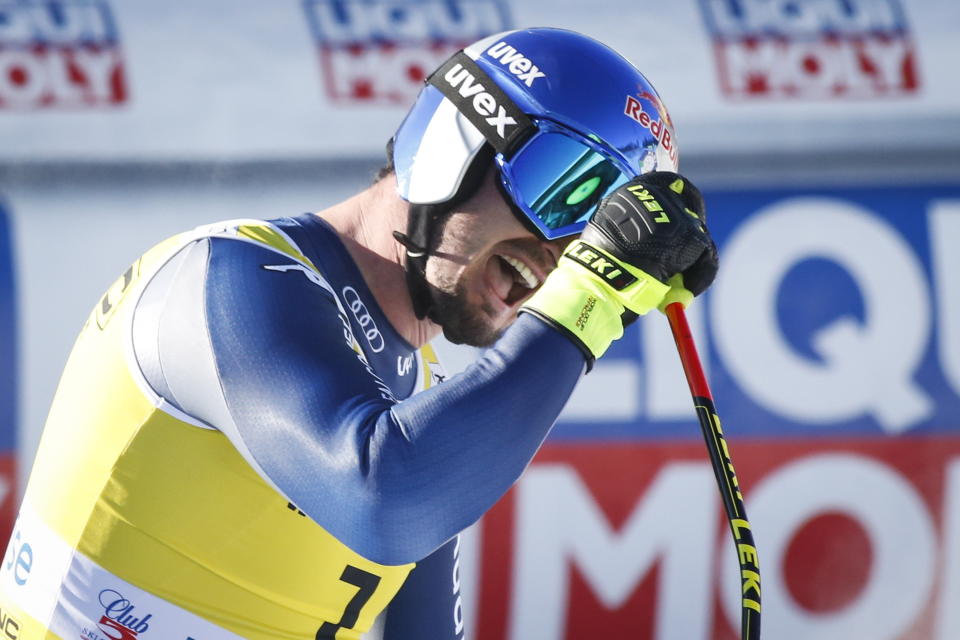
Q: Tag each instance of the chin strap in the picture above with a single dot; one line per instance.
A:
(423, 221)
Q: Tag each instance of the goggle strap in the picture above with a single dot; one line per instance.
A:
(498, 118)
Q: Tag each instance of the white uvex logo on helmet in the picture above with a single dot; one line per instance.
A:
(515, 62)
(483, 103)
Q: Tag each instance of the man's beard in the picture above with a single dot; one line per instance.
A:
(461, 322)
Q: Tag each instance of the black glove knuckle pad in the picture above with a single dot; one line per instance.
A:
(655, 223)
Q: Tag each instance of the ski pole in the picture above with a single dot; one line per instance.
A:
(723, 470)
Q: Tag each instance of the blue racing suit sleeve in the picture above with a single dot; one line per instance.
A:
(392, 480)
(429, 605)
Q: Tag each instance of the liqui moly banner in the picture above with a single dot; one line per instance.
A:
(8, 379)
(832, 342)
(242, 79)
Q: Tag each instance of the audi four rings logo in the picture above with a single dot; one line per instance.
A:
(362, 316)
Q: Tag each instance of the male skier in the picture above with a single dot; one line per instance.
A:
(249, 439)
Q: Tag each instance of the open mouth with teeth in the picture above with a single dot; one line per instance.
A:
(510, 279)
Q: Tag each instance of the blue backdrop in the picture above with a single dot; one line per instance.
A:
(829, 318)
(8, 336)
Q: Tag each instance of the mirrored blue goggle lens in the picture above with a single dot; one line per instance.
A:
(560, 181)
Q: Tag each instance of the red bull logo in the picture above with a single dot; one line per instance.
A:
(655, 119)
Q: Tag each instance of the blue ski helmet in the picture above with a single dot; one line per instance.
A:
(566, 119)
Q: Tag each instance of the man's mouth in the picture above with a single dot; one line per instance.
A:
(517, 280)
(525, 275)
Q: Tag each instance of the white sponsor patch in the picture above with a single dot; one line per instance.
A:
(515, 62)
(74, 597)
(483, 102)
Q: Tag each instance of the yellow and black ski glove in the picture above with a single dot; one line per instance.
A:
(645, 247)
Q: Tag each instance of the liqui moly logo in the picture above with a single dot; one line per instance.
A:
(656, 119)
(59, 53)
(121, 620)
(382, 50)
(823, 49)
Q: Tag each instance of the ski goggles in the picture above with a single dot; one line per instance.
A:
(556, 179)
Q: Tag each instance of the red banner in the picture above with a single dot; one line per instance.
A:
(857, 539)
